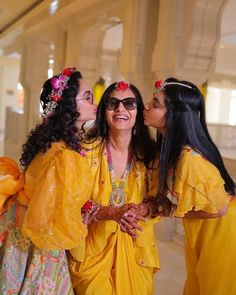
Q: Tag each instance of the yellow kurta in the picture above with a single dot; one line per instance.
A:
(210, 244)
(114, 262)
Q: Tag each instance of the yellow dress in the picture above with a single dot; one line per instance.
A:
(114, 262)
(40, 218)
(59, 183)
(210, 244)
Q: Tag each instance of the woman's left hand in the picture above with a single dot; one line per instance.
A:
(129, 220)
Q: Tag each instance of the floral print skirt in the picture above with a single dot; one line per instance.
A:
(26, 269)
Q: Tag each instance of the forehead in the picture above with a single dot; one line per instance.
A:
(122, 94)
(83, 85)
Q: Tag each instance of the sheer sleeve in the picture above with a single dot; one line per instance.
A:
(53, 218)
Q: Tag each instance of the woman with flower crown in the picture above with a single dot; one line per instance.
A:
(121, 149)
(192, 173)
(40, 212)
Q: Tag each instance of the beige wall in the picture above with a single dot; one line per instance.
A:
(9, 77)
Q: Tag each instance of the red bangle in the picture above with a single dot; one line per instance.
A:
(89, 210)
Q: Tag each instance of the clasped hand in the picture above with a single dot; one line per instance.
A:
(128, 216)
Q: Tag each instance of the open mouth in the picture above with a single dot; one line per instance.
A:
(120, 118)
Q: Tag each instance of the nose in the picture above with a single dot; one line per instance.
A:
(120, 106)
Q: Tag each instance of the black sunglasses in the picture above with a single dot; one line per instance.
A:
(130, 103)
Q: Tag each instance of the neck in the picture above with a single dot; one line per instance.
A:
(162, 131)
(119, 141)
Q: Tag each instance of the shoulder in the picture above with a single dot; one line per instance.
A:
(193, 167)
(94, 149)
(59, 153)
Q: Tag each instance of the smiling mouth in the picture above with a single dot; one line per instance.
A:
(120, 117)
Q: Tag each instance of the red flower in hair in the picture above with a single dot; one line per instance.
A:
(55, 97)
(68, 71)
(159, 84)
(122, 85)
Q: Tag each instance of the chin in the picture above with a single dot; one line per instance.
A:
(145, 122)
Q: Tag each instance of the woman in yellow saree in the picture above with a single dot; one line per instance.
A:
(115, 262)
(40, 206)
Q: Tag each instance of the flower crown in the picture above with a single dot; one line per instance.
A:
(160, 85)
(122, 86)
(58, 84)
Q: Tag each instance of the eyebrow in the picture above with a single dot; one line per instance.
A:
(86, 92)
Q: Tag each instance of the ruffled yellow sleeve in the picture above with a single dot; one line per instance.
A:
(11, 183)
(53, 219)
(198, 185)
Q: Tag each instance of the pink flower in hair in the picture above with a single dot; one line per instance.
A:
(55, 82)
(63, 81)
(58, 86)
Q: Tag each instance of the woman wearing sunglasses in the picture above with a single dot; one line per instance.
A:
(117, 262)
(40, 212)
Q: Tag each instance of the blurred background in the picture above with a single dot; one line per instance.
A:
(136, 40)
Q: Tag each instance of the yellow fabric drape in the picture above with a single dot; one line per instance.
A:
(210, 243)
(11, 183)
(114, 262)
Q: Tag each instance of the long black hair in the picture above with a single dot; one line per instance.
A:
(143, 145)
(186, 125)
(58, 126)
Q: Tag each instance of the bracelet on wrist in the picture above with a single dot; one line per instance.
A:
(89, 211)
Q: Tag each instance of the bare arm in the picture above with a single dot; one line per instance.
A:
(168, 210)
(205, 215)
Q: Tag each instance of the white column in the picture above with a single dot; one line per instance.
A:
(164, 55)
(138, 43)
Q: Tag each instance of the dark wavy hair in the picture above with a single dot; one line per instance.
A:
(58, 126)
(143, 146)
(186, 125)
